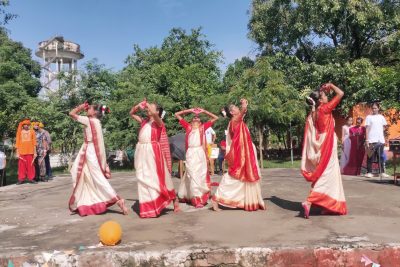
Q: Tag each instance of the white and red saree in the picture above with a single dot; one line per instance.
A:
(195, 183)
(92, 192)
(240, 186)
(153, 170)
(319, 162)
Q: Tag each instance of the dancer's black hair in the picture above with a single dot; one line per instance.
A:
(160, 109)
(314, 96)
(99, 111)
(227, 111)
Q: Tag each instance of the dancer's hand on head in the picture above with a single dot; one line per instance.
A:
(84, 106)
(143, 104)
(244, 102)
(327, 87)
(151, 109)
(197, 110)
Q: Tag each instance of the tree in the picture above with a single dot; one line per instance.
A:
(19, 82)
(183, 72)
(5, 17)
(320, 29)
(235, 71)
(273, 103)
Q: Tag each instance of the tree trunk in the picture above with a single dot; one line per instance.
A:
(260, 145)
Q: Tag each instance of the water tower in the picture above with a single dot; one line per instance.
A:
(58, 55)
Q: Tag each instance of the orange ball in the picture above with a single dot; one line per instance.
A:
(110, 233)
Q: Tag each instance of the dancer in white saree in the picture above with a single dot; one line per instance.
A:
(92, 192)
(153, 163)
(240, 186)
(319, 162)
(195, 183)
(346, 144)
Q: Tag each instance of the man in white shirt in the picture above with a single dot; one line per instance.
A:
(375, 124)
(210, 135)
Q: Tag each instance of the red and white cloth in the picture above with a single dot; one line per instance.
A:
(320, 164)
(195, 183)
(240, 186)
(92, 192)
(155, 187)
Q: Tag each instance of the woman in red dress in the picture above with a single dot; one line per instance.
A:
(357, 150)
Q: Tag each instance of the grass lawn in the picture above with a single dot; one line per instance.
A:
(12, 171)
(282, 163)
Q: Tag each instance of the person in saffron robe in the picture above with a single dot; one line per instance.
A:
(92, 192)
(346, 144)
(357, 151)
(240, 186)
(26, 152)
(195, 184)
(319, 162)
(153, 162)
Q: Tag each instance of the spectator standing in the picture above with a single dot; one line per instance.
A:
(375, 124)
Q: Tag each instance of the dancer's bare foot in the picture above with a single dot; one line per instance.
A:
(215, 205)
(199, 206)
(306, 207)
(121, 205)
(176, 205)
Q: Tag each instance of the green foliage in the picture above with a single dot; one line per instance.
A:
(182, 73)
(325, 29)
(19, 82)
(273, 103)
(5, 17)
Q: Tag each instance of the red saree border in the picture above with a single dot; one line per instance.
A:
(327, 147)
(236, 205)
(196, 200)
(97, 208)
(241, 158)
(153, 209)
(95, 140)
(328, 203)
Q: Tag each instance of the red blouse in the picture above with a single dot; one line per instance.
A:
(324, 114)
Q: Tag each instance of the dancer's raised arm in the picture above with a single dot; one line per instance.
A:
(74, 113)
(179, 114)
(209, 114)
(134, 109)
(154, 113)
(244, 103)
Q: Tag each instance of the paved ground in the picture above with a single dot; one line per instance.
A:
(35, 218)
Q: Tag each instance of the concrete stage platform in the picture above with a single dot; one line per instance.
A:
(35, 220)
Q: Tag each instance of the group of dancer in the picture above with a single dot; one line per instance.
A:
(239, 187)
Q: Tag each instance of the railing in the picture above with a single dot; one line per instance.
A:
(66, 46)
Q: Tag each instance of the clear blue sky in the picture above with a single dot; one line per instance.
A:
(108, 29)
